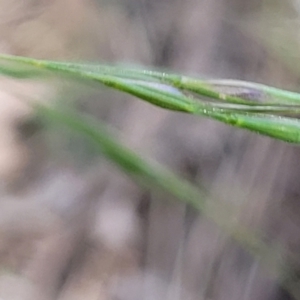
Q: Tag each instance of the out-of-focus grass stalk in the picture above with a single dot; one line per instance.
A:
(154, 175)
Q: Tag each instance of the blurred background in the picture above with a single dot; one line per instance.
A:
(72, 226)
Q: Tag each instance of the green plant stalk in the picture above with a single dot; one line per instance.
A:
(207, 88)
(177, 81)
(151, 174)
(155, 175)
(286, 129)
(162, 99)
(260, 119)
